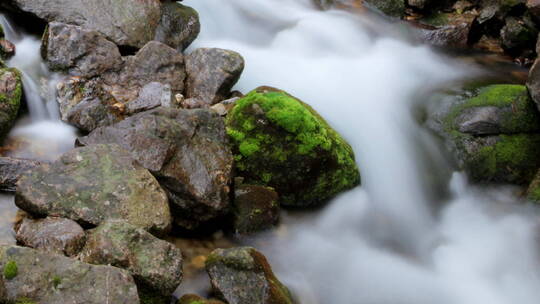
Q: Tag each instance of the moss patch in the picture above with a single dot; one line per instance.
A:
(11, 270)
(281, 142)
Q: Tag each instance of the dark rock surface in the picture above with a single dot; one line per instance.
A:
(11, 169)
(10, 98)
(256, 208)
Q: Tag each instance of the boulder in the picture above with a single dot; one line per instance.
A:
(79, 51)
(243, 276)
(10, 98)
(212, 73)
(281, 142)
(189, 156)
(256, 208)
(153, 263)
(125, 22)
(93, 184)
(447, 29)
(533, 82)
(31, 276)
(7, 49)
(494, 134)
(51, 234)
(11, 169)
(534, 8)
(518, 34)
(151, 96)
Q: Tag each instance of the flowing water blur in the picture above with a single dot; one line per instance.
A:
(386, 241)
(40, 134)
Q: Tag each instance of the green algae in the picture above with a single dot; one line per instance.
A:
(11, 270)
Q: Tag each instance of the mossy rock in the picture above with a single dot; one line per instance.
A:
(281, 142)
(10, 98)
(195, 299)
(533, 193)
(393, 8)
(495, 134)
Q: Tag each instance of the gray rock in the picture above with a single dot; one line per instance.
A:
(518, 33)
(189, 156)
(243, 276)
(10, 98)
(481, 120)
(79, 51)
(179, 25)
(393, 8)
(256, 208)
(7, 49)
(51, 234)
(453, 32)
(11, 169)
(154, 263)
(151, 96)
(31, 276)
(93, 184)
(212, 73)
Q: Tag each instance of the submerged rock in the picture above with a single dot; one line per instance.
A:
(243, 276)
(155, 264)
(189, 155)
(125, 22)
(283, 143)
(495, 134)
(10, 98)
(212, 73)
(31, 276)
(53, 235)
(256, 208)
(93, 184)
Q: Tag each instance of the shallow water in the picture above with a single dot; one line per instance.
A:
(398, 238)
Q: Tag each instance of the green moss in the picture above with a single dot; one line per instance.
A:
(56, 281)
(11, 270)
(282, 142)
(25, 301)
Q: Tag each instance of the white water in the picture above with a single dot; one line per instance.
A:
(42, 134)
(385, 242)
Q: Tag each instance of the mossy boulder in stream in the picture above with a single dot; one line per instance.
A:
(281, 142)
(10, 98)
(495, 134)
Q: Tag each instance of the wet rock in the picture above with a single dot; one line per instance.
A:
(31, 276)
(496, 9)
(243, 276)
(420, 4)
(195, 299)
(212, 73)
(79, 51)
(7, 49)
(154, 263)
(128, 23)
(534, 8)
(10, 98)
(518, 34)
(93, 184)
(533, 192)
(52, 235)
(394, 8)
(11, 169)
(189, 156)
(256, 208)
(533, 82)
(283, 143)
(179, 25)
(448, 29)
(497, 109)
(495, 135)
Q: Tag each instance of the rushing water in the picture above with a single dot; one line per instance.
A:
(394, 239)
(397, 239)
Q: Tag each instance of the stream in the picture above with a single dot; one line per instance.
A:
(415, 232)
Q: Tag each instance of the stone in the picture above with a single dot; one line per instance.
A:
(281, 142)
(10, 98)
(179, 25)
(150, 97)
(533, 191)
(242, 275)
(190, 157)
(518, 34)
(153, 263)
(31, 276)
(256, 208)
(11, 169)
(448, 29)
(7, 49)
(393, 8)
(79, 51)
(52, 235)
(92, 184)
(195, 299)
(212, 73)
